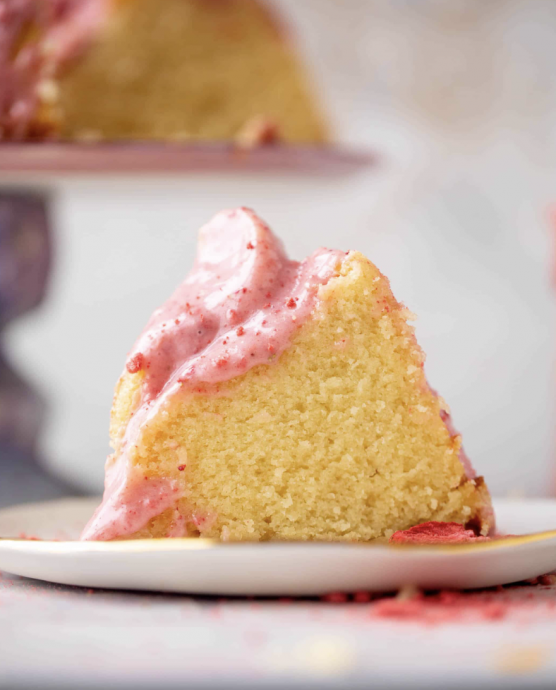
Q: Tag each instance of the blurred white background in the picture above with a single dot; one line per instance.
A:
(459, 99)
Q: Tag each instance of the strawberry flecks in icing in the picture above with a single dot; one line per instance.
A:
(136, 363)
(178, 528)
(128, 505)
(233, 312)
(436, 533)
(203, 521)
(228, 314)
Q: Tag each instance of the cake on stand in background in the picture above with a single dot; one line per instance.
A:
(173, 70)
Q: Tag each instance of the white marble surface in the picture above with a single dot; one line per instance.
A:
(460, 99)
(65, 637)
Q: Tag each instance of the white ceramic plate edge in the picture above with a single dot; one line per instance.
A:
(278, 568)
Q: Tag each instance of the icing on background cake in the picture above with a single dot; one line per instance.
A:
(271, 399)
(150, 69)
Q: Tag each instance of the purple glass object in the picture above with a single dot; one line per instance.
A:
(21, 410)
(25, 253)
(25, 257)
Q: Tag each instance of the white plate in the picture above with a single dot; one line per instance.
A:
(202, 566)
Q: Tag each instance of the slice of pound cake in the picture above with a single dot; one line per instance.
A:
(271, 399)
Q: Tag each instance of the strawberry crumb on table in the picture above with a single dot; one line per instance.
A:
(64, 635)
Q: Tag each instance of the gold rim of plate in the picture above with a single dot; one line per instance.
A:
(198, 544)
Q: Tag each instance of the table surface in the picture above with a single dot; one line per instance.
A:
(59, 636)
